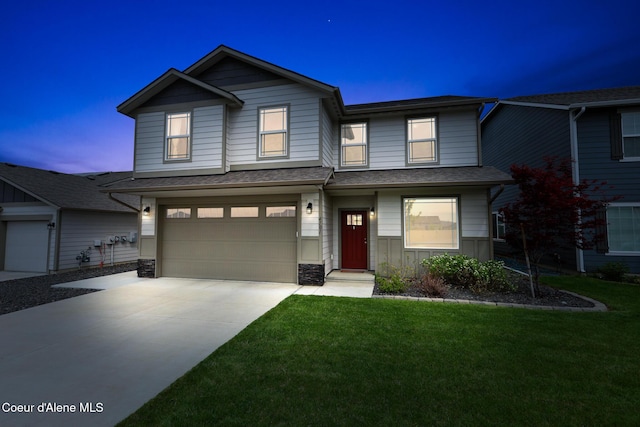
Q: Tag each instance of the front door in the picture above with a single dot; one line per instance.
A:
(354, 240)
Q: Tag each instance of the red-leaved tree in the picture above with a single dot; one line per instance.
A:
(552, 212)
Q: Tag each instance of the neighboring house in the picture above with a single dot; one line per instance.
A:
(600, 131)
(250, 171)
(47, 219)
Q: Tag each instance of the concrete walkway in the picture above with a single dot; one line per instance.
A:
(104, 354)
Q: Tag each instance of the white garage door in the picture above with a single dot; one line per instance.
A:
(256, 242)
(26, 246)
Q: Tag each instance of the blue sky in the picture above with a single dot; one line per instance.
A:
(68, 64)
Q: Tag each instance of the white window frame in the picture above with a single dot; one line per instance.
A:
(433, 140)
(636, 232)
(364, 144)
(168, 137)
(498, 218)
(458, 230)
(262, 133)
(635, 134)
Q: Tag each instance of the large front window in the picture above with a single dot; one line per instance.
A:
(421, 140)
(178, 140)
(431, 223)
(353, 144)
(631, 135)
(623, 229)
(273, 132)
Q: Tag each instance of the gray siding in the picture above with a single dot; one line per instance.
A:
(206, 142)
(304, 126)
(457, 141)
(327, 232)
(523, 135)
(79, 229)
(595, 164)
(328, 136)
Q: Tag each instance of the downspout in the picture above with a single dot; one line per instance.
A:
(498, 193)
(575, 168)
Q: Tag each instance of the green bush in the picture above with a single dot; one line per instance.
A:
(470, 273)
(614, 271)
(394, 280)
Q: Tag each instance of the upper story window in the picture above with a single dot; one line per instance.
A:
(178, 138)
(273, 132)
(353, 144)
(421, 140)
(631, 135)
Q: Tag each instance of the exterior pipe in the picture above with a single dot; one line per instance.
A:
(575, 169)
(122, 203)
(498, 193)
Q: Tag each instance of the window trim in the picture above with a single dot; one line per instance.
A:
(626, 158)
(495, 216)
(457, 198)
(436, 140)
(366, 145)
(188, 135)
(608, 233)
(287, 108)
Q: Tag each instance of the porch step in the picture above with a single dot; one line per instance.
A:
(344, 276)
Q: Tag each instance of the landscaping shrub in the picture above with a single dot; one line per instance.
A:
(470, 273)
(394, 279)
(431, 285)
(614, 271)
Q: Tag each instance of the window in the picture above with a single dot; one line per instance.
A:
(431, 223)
(623, 229)
(181, 213)
(210, 212)
(421, 140)
(354, 144)
(244, 212)
(354, 219)
(498, 226)
(631, 135)
(273, 132)
(281, 211)
(178, 143)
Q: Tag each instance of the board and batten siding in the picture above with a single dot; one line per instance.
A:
(206, 142)
(304, 124)
(457, 141)
(79, 230)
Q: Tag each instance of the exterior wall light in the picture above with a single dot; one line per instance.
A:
(51, 225)
(372, 212)
(146, 210)
(309, 207)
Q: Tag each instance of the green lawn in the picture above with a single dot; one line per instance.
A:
(339, 361)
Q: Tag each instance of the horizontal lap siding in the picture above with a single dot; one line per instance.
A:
(80, 229)
(457, 141)
(327, 138)
(595, 163)
(304, 123)
(206, 141)
(458, 136)
(473, 205)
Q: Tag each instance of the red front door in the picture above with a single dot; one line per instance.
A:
(354, 240)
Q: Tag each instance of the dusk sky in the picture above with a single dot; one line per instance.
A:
(68, 64)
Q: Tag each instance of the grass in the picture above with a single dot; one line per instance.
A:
(340, 361)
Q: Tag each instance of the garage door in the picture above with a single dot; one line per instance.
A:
(256, 242)
(26, 246)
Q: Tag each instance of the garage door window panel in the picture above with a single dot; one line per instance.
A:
(245, 212)
(178, 213)
(207, 213)
(281, 211)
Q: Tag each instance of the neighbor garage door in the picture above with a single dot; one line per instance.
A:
(26, 246)
(256, 242)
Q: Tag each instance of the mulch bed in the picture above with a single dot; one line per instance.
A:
(19, 294)
(522, 295)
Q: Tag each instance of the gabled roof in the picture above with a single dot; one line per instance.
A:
(585, 98)
(164, 81)
(67, 191)
(223, 51)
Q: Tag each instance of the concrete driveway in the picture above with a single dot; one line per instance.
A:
(103, 355)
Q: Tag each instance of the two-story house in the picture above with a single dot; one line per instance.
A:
(250, 171)
(600, 131)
